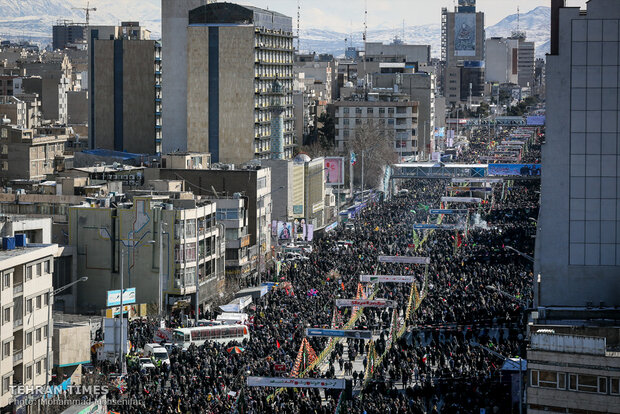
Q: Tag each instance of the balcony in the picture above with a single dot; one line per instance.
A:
(18, 356)
(17, 289)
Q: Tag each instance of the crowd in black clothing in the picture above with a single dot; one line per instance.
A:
(436, 366)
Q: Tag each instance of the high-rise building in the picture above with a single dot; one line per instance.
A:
(578, 243)
(501, 60)
(174, 21)
(463, 47)
(66, 32)
(125, 90)
(234, 53)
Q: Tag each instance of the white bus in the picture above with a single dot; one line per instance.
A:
(183, 337)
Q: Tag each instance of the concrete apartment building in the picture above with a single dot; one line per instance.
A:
(21, 110)
(234, 53)
(125, 90)
(420, 87)
(287, 189)
(398, 117)
(50, 80)
(183, 228)
(31, 154)
(462, 42)
(574, 372)
(24, 297)
(397, 52)
(250, 181)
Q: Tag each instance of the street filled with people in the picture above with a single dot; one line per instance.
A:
(449, 358)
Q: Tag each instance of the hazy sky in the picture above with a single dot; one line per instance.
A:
(342, 15)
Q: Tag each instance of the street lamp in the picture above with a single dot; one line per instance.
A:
(50, 329)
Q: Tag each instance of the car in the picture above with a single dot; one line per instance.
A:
(146, 364)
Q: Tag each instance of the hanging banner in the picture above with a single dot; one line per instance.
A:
(451, 188)
(367, 303)
(335, 383)
(334, 170)
(386, 279)
(424, 226)
(519, 170)
(339, 333)
(404, 259)
(477, 180)
(447, 211)
(460, 199)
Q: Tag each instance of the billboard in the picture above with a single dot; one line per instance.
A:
(465, 34)
(284, 230)
(335, 383)
(114, 297)
(520, 170)
(339, 333)
(303, 231)
(334, 170)
(536, 120)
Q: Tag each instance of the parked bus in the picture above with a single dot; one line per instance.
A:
(183, 337)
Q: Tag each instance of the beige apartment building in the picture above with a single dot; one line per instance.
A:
(24, 297)
(31, 154)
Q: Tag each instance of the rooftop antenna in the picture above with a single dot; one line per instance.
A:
(298, 19)
(518, 18)
(403, 30)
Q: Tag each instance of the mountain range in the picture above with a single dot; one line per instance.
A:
(33, 19)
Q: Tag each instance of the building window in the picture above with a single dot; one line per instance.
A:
(46, 301)
(39, 266)
(602, 385)
(39, 299)
(29, 306)
(29, 373)
(6, 280)
(6, 349)
(534, 378)
(562, 380)
(46, 329)
(6, 315)
(28, 339)
(614, 386)
(29, 273)
(345, 110)
(47, 266)
(6, 382)
(39, 335)
(38, 369)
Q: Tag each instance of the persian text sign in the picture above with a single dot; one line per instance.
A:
(336, 383)
(386, 279)
(367, 303)
(404, 259)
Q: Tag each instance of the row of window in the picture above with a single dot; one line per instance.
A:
(371, 110)
(37, 301)
(576, 382)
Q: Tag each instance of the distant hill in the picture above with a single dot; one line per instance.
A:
(33, 19)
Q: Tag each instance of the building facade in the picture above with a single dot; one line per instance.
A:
(125, 90)
(234, 55)
(575, 372)
(578, 243)
(66, 32)
(25, 298)
(31, 154)
(399, 118)
(501, 60)
(184, 230)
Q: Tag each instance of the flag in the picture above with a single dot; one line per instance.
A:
(424, 358)
(278, 344)
(342, 284)
(353, 158)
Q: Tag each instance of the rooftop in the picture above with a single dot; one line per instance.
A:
(19, 251)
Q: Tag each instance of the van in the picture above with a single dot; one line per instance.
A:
(156, 352)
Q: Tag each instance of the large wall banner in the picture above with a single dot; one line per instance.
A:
(465, 34)
(334, 170)
(337, 383)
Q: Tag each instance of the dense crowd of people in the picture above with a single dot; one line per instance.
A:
(446, 362)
